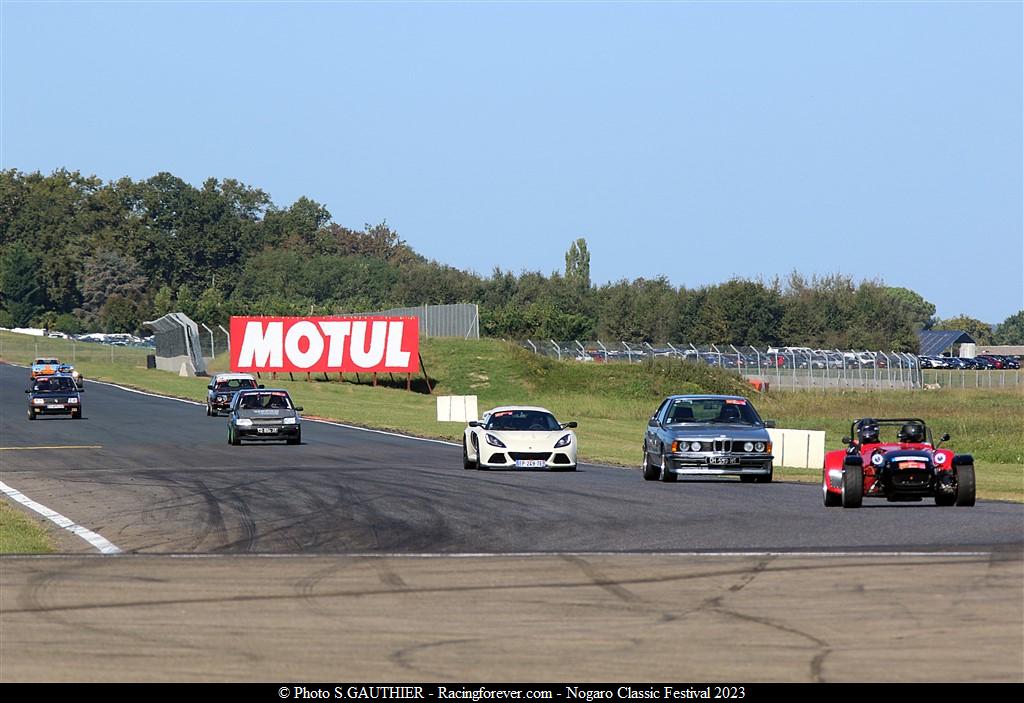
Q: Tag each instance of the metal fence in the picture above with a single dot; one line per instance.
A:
(460, 320)
(786, 367)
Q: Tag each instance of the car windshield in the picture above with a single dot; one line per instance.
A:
(235, 383)
(724, 410)
(55, 384)
(524, 420)
(265, 401)
(46, 362)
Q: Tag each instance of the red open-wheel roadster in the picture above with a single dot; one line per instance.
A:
(896, 459)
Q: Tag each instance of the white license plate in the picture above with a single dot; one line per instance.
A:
(530, 463)
(266, 430)
(55, 406)
(721, 461)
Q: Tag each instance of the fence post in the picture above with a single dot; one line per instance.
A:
(227, 336)
(213, 347)
(629, 352)
(558, 349)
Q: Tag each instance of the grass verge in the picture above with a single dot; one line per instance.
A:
(20, 534)
(610, 401)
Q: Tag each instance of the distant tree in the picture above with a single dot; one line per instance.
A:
(980, 331)
(109, 274)
(163, 301)
(920, 310)
(577, 264)
(120, 315)
(210, 307)
(19, 285)
(1011, 330)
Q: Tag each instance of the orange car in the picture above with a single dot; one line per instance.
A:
(44, 366)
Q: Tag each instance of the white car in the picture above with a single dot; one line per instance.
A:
(519, 437)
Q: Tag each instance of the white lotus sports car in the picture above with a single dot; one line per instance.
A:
(519, 437)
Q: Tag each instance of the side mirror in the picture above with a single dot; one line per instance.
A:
(474, 423)
(847, 440)
(27, 391)
(570, 425)
(944, 437)
(298, 408)
(261, 386)
(770, 424)
(653, 422)
(209, 387)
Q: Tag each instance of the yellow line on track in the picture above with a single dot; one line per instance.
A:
(65, 446)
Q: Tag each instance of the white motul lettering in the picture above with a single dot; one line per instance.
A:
(361, 356)
(336, 331)
(304, 330)
(396, 356)
(261, 349)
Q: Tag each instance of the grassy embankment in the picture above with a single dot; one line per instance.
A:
(611, 402)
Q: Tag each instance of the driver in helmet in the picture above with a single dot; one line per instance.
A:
(867, 431)
(911, 433)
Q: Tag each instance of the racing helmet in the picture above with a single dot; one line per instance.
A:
(867, 431)
(911, 433)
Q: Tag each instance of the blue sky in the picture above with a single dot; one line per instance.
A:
(698, 141)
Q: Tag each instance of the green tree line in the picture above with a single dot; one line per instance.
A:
(80, 254)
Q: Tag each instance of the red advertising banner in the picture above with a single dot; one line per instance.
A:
(347, 344)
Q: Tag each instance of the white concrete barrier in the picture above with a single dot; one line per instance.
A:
(798, 449)
(456, 408)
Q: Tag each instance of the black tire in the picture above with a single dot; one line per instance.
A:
(831, 500)
(466, 463)
(76, 414)
(297, 439)
(31, 415)
(233, 439)
(965, 486)
(664, 474)
(209, 410)
(853, 486)
(767, 478)
(650, 472)
(747, 479)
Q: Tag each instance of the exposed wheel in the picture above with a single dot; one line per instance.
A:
(664, 474)
(297, 439)
(767, 478)
(965, 485)
(831, 499)
(853, 486)
(650, 472)
(466, 463)
(233, 439)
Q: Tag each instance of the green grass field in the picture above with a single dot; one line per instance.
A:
(610, 401)
(20, 534)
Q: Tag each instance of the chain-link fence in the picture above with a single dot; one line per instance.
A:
(23, 348)
(784, 367)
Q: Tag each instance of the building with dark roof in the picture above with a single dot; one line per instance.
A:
(938, 342)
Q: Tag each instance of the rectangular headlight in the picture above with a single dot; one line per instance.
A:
(243, 422)
(288, 421)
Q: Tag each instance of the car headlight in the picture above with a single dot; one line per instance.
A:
(695, 446)
(748, 446)
(222, 398)
(563, 441)
(72, 400)
(288, 421)
(38, 401)
(494, 441)
(243, 422)
(759, 446)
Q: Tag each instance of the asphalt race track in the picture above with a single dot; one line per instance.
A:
(327, 561)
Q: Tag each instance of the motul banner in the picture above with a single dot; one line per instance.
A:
(347, 344)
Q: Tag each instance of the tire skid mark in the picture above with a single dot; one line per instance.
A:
(716, 601)
(403, 657)
(39, 587)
